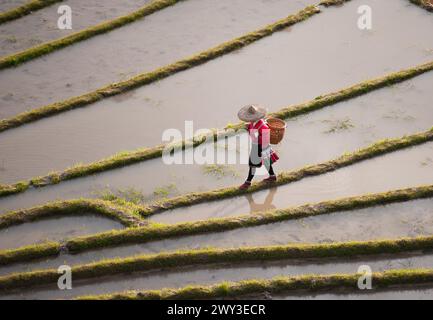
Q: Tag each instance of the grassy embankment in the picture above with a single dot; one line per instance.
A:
(127, 215)
(426, 4)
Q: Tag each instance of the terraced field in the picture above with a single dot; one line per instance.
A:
(83, 182)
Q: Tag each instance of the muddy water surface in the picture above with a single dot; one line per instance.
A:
(54, 230)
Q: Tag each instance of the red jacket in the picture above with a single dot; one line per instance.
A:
(259, 132)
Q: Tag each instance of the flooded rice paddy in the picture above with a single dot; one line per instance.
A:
(136, 48)
(41, 25)
(53, 229)
(81, 136)
(211, 275)
(376, 116)
(323, 54)
(411, 219)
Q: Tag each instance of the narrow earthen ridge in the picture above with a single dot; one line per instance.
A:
(426, 4)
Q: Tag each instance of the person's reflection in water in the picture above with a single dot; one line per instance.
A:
(267, 205)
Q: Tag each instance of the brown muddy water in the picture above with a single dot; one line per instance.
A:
(187, 28)
(210, 275)
(54, 230)
(410, 219)
(263, 73)
(389, 112)
(41, 26)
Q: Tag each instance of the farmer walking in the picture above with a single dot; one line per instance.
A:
(261, 151)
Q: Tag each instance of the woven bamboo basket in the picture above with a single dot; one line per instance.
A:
(277, 128)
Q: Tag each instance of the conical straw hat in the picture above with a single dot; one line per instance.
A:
(252, 113)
